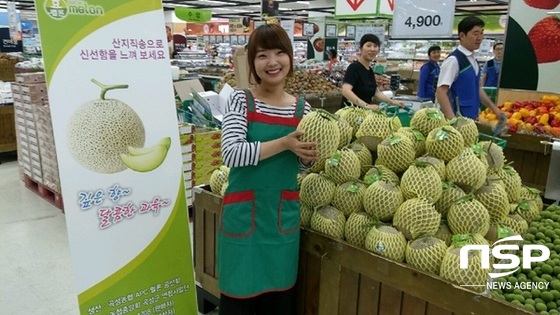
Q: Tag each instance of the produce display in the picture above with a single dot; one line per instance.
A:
(420, 204)
(7, 67)
(533, 117)
(544, 298)
(301, 83)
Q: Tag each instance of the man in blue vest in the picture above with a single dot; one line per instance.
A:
(491, 69)
(459, 78)
(429, 73)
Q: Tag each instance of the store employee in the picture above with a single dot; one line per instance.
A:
(429, 73)
(459, 78)
(359, 85)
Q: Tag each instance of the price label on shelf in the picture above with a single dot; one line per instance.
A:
(423, 18)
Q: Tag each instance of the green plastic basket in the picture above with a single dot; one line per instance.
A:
(499, 141)
(404, 115)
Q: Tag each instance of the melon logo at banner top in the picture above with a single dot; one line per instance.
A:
(59, 9)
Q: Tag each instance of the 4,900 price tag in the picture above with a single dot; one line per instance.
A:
(423, 21)
(423, 18)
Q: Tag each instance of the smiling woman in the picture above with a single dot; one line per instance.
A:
(258, 241)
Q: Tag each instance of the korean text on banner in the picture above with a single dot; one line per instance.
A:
(423, 18)
(117, 143)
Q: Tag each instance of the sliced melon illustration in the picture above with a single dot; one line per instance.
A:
(141, 151)
(146, 162)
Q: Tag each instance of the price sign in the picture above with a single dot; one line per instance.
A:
(378, 31)
(423, 18)
(331, 30)
(289, 26)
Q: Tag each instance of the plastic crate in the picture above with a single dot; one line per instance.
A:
(499, 141)
(403, 114)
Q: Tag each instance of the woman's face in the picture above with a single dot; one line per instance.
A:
(272, 65)
(369, 51)
(435, 55)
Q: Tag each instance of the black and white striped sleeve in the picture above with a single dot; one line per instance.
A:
(236, 150)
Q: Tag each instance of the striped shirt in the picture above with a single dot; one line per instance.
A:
(236, 150)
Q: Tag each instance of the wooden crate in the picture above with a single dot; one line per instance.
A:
(512, 95)
(330, 103)
(8, 140)
(337, 278)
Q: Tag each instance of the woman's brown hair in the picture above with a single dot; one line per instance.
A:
(268, 36)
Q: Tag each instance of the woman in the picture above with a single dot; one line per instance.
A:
(359, 87)
(258, 240)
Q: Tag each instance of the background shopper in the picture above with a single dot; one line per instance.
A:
(491, 69)
(429, 73)
(359, 86)
(459, 77)
(258, 240)
(333, 58)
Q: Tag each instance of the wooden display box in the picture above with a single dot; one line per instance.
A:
(330, 103)
(337, 278)
(8, 141)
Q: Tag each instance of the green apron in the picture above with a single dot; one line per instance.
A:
(258, 238)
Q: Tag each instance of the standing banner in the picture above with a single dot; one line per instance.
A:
(531, 51)
(423, 18)
(115, 126)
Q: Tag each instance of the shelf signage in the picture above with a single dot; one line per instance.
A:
(423, 18)
(193, 15)
(361, 30)
(117, 141)
(288, 26)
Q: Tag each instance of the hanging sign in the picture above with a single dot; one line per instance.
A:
(288, 26)
(378, 31)
(119, 156)
(13, 20)
(330, 30)
(423, 18)
(193, 15)
(362, 8)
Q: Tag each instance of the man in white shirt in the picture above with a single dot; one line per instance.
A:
(459, 78)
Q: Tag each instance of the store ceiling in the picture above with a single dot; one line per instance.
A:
(288, 8)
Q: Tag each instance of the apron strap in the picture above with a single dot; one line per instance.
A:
(300, 108)
(250, 100)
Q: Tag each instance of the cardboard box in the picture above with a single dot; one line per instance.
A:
(33, 89)
(30, 77)
(184, 88)
(241, 69)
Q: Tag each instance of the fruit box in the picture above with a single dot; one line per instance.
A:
(8, 140)
(338, 278)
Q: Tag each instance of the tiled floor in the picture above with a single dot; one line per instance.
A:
(35, 267)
